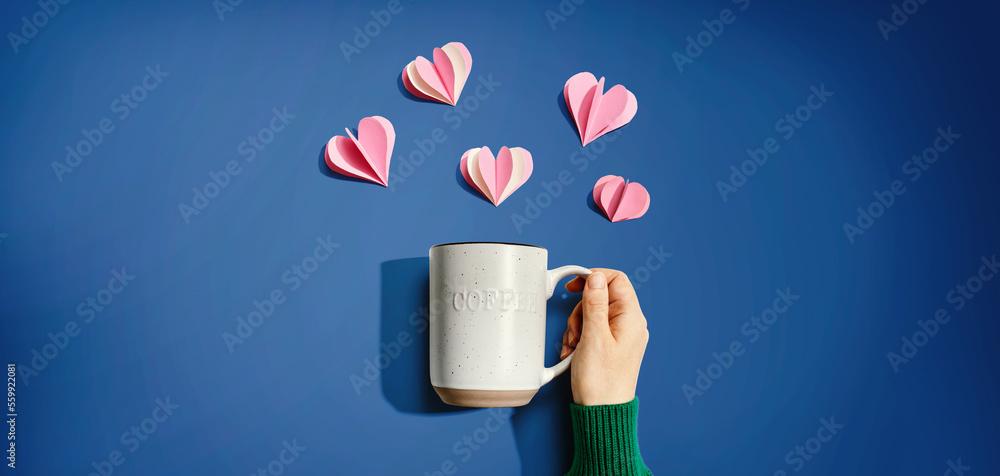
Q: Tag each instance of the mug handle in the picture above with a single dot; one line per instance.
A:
(553, 278)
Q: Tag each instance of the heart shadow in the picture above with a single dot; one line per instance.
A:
(468, 188)
(592, 204)
(326, 170)
(564, 109)
(407, 94)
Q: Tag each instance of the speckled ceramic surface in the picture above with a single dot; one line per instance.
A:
(487, 321)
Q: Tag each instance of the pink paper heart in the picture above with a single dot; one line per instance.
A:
(595, 112)
(496, 177)
(442, 80)
(487, 166)
(367, 156)
(619, 199)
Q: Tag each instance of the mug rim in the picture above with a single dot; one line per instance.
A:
(487, 243)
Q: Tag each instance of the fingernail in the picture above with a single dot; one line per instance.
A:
(597, 281)
(565, 350)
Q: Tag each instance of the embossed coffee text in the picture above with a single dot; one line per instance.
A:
(494, 299)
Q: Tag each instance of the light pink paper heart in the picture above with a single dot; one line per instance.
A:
(442, 80)
(597, 112)
(496, 177)
(619, 199)
(367, 156)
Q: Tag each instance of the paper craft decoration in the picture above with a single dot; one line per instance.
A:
(496, 178)
(367, 156)
(597, 112)
(443, 79)
(619, 199)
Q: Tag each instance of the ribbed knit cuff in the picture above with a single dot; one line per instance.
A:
(605, 441)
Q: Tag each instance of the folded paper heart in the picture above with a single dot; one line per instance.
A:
(496, 177)
(443, 79)
(597, 112)
(367, 156)
(619, 199)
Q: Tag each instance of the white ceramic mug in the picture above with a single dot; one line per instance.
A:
(487, 322)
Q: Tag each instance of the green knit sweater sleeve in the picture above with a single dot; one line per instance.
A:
(605, 441)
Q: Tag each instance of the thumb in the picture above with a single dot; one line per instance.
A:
(595, 307)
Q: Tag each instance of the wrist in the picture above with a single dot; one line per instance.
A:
(604, 398)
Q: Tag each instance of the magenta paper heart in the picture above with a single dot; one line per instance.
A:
(496, 177)
(367, 156)
(619, 199)
(597, 112)
(443, 79)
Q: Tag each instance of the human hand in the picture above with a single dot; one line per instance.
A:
(608, 332)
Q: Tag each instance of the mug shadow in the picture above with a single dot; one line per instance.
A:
(406, 382)
(543, 430)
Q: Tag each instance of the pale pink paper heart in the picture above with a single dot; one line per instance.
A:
(367, 156)
(620, 199)
(442, 80)
(597, 112)
(496, 177)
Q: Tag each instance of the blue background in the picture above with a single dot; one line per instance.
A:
(291, 379)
